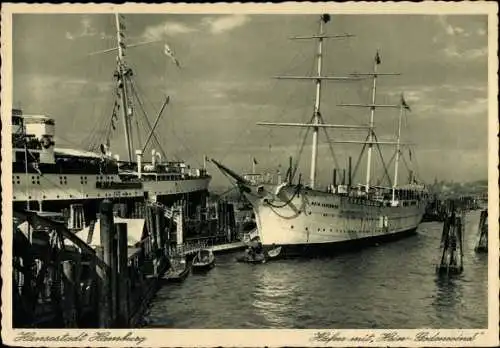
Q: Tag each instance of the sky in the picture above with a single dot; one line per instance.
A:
(225, 85)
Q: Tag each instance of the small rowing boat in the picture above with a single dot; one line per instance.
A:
(178, 271)
(203, 261)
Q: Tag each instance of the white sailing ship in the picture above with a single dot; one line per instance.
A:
(303, 218)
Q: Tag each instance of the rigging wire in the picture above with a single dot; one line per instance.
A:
(382, 159)
(186, 148)
(246, 127)
(300, 151)
(379, 179)
(360, 156)
(141, 105)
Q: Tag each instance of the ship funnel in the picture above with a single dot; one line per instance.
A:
(138, 154)
(153, 157)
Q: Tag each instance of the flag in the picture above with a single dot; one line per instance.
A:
(170, 54)
(377, 58)
(403, 103)
(255, 161)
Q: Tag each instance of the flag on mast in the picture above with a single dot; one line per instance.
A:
(403, 103)
(170, 54)
(377, 58)
(255, 161)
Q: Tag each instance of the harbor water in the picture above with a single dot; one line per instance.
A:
(386, 286)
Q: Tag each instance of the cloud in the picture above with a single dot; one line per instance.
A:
(224, 23)
(448, 28)
(469, 107)
(481, 32)
(86, 29)
(160, 31)
(453, 52)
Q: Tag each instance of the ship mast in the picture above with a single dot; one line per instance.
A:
(371, 139)
(317, 103)
(317, 120)
(403, 106)
(122, 72)
(372, 114)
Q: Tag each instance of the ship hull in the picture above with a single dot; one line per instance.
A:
(36, 187)
(307, 221)
(334, 248)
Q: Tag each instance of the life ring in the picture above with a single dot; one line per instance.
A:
(46, 142)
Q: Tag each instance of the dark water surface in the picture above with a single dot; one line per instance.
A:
(388, 286)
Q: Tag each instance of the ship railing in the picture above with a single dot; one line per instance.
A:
(188, 248)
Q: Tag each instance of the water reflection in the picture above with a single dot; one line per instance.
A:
(275, 295)
(448, 296)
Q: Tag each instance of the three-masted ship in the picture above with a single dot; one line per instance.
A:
(50, 179)
(303, 218)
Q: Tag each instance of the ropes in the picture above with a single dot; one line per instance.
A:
(383, 162)
(246, 127)
(141, 105)
(295, 193)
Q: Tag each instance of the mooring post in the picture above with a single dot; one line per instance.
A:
(109, 256)
(123, 277)
(69, 294)
(482, 231)
(153, 229)
(159, 230)
(102, 290)
(452, 245)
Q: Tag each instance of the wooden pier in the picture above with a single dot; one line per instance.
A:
(63, 276)
(63, 280)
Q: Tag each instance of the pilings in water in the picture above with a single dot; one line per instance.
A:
(482, 242)
(438, 209)
(452, 242)
(226, 220)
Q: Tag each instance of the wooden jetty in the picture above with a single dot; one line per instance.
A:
(63, 279)
(63, 275)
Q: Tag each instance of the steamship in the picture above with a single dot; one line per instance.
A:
(49, 179)
(304, 219)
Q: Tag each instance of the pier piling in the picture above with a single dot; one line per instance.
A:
(452, 245)
(482, 230)
(122, 272)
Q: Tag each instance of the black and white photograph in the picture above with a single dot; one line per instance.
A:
(281, 174)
